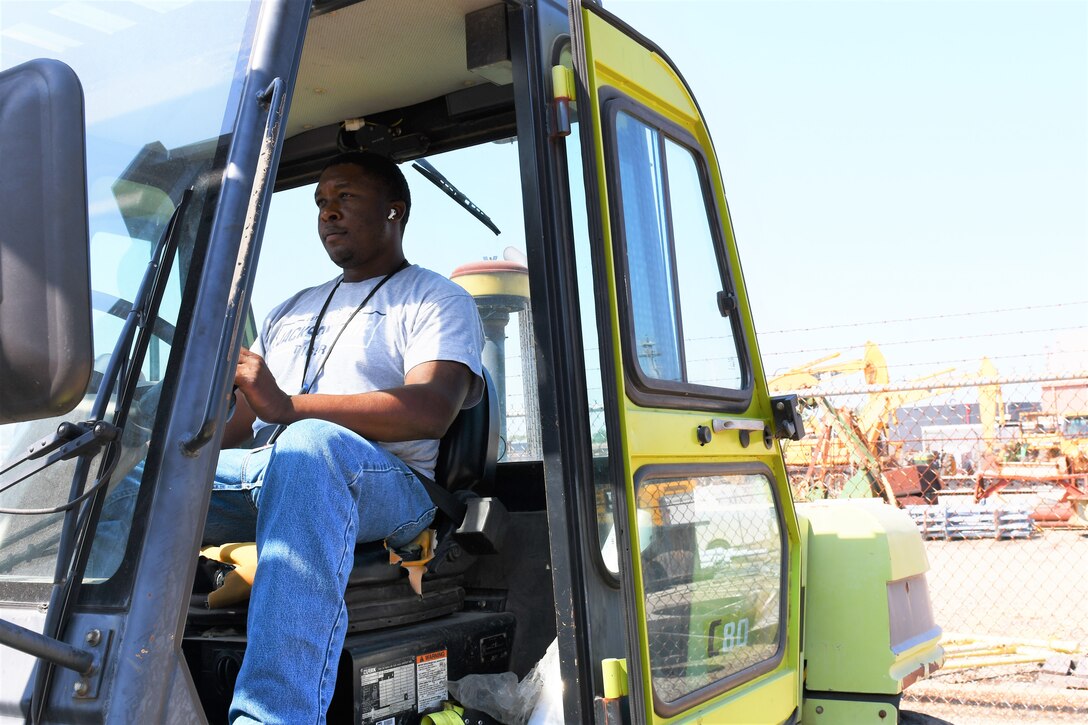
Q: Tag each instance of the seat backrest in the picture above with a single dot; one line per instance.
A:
(468, 452)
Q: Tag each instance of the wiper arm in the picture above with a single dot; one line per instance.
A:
(70, 440)
(77, 534)
(435, 177)
(120, 308)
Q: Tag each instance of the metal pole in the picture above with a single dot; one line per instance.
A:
(45, 648)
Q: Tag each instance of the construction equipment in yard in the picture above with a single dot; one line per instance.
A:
(1049, 448)
(848, 453)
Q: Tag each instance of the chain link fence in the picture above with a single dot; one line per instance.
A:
(990, 458)
(977, 425)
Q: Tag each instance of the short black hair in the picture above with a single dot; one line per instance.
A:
(384, 171)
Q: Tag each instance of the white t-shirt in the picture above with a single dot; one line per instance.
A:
(418, 316)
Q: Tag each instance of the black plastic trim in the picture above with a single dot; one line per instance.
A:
(601, 308)
(892, 700)
(533, 30)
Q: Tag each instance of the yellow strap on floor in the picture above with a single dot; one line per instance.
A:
(450, 714)
(237, 583)
(416, 568)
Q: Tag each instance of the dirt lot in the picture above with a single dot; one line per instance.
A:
(1010, 600)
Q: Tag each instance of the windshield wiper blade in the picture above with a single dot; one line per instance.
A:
(434, 176)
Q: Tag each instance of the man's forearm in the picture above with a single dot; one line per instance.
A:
(240, 426)
(422, 408)
(411, 412)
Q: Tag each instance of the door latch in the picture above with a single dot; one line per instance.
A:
(787, 418)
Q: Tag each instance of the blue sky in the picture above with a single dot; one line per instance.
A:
(893, 160)
(883, 162)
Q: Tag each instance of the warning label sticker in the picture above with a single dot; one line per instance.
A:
(387, 690)
(431, 675)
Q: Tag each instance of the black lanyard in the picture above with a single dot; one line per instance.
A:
(321, 315)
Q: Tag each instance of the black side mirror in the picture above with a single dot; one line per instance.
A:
(46, 348)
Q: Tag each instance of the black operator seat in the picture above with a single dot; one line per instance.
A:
(468, 452)
(466, 525)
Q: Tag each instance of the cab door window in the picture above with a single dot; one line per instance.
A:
(713, 565)
(683, 338)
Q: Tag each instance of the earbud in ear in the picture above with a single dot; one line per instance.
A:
(392, 214)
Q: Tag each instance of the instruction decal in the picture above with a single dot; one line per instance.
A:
(387, 690)
(431, 674)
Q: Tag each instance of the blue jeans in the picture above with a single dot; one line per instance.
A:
(306, 501)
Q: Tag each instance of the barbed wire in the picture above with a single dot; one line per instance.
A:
(938, 384)
(918, 341)
(952, 315)
(927, 363)
(970, 360)
(1019, 356)
(515, 375)
(1007, 333)
(931, 363)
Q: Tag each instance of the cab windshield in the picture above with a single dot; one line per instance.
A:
(156, 127)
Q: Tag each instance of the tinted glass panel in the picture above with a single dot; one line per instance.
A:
(592, 356)
(674, 273)
(649, 259)
(710, 353)
(712, 569)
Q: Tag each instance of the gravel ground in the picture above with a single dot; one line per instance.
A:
(1032, 594)
(1030, 589)
(966, 715)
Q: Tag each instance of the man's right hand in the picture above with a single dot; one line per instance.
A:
(263, 394)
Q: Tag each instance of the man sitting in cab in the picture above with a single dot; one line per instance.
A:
(361, 375)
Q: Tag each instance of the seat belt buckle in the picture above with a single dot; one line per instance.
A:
(484, 526)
